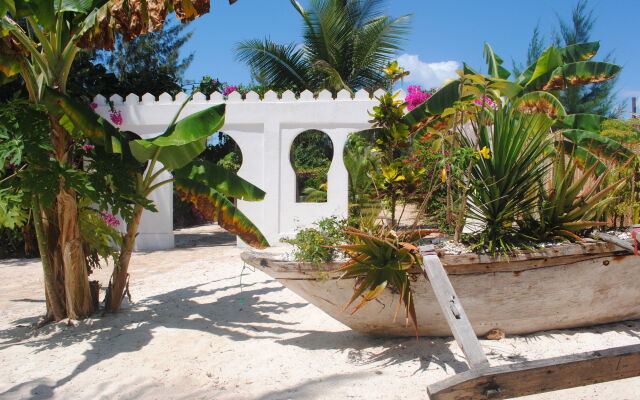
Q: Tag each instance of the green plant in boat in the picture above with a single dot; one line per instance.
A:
(572, 203)
(382, 258)
(503, 186)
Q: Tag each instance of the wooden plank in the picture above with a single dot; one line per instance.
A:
(612, 239)
(530, 377)
(454, 312)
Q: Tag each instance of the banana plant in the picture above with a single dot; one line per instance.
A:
(39, 40)
(532, 92)
(203, 183)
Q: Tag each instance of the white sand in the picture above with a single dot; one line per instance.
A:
(195, 331)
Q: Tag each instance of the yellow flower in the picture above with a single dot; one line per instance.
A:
(443, 174)
(485, 152)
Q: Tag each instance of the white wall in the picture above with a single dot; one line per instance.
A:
(264, 130)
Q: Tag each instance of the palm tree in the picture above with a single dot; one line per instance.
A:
(346, 44)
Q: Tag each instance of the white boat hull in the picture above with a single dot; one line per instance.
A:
(562, 287)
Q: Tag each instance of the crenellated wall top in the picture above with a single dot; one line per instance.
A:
(235, 97)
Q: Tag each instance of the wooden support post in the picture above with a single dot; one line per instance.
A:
(530, 377)
(452, 309)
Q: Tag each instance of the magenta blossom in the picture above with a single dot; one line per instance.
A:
(227, 90)
(87, 147)
(416, 96)
(116, 117)
(94, 105)
(109, 219)
(486, 101)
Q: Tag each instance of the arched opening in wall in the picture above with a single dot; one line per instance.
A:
(311, 155)
(221, 150)
(359, 163)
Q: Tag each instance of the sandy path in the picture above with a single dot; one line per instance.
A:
(196, 332)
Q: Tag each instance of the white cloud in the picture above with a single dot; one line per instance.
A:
(426, 74)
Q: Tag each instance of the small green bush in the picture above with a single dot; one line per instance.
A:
(310, 243)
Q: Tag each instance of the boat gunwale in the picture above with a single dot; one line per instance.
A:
(463, 264)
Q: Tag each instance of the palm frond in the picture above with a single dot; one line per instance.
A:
(280, 65)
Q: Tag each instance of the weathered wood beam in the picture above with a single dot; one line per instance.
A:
(530, 377)
(453, 311)
(612, 239)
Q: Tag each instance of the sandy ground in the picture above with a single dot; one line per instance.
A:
(197, 329)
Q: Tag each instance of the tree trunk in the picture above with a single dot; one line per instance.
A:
(55, 301)
(119, 278)
(68, 258)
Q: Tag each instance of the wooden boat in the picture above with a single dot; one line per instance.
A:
(565, 286)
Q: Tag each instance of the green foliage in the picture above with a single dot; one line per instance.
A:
(100, 240)
(571, 34)
(381, 258)
(621, 131)
(346, 46)
(314, 244)
(150, 63)
(209, 85)
(571, 205)
(503, 187)
(358, 162)
(311, 155)
(24, 134)
(311, 149)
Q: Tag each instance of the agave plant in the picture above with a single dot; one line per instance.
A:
(205, 184)
(381, 258)
(571, 204)
(503, 186)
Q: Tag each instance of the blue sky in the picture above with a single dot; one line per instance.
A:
(443, 33)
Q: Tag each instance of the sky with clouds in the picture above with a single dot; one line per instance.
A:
(443, 34)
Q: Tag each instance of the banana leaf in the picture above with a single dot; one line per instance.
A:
(585, 122)
(581, 73)
(494, 62)
(80, 120)
(436, 104)
(182, 141)
(579, 52)
(505, 88)
(599, 145)
(215, 207)
(221, 180)
(546, 64)
(132, 21)
(9, 65)
(540, 103)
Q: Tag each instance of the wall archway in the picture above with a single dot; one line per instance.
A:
(310, 155)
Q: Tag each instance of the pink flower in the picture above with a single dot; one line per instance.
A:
(94, 105)
(87, 147)
(416, 96)
(116, 117)
(414, 89)
(109, 219)
(486, 101)
(227, 90)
